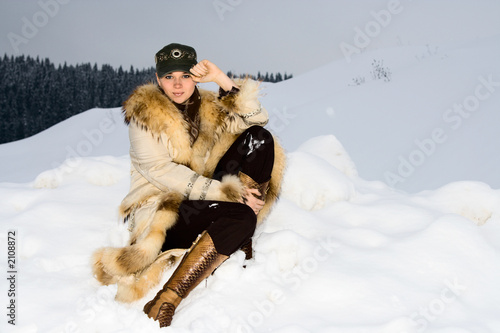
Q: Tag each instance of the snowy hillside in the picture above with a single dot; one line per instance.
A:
(435, 121)
(337, 254)
(96, 132)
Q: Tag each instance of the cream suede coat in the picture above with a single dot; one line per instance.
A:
(167, 169)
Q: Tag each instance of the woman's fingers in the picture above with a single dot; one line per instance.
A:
(205, 71)
(199, 70)
(253, 202)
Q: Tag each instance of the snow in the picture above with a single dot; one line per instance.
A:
(337, 254)
(95, 132)
(420, 131)
(344, 250)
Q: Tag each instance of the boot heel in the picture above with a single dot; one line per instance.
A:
(196, 265)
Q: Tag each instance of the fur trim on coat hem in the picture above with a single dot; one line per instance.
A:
(135, 286)
(109, 263)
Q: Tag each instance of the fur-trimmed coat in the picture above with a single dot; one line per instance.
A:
(168, 168)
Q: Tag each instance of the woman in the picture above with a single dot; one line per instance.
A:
(204, 174)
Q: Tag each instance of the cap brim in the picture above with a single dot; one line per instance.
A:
(162, 71)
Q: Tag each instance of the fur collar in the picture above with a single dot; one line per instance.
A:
(150, 109)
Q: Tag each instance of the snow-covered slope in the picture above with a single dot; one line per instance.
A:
(95, 132)
(434, 122)
(337, 254)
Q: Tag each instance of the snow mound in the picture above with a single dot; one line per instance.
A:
(331, 150)
(101, 171)
(473, 200)
(318, 182)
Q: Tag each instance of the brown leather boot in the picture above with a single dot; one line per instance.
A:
(196, 265)
(248, 250)
(248, 182)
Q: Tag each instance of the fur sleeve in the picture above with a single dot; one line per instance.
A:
(243, 108)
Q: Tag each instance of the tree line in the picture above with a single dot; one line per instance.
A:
(35, 94)
(274, 78)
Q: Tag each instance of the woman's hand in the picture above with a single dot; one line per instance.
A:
(206, 71)
(250, 200)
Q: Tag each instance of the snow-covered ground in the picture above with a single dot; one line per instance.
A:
(341, 252)
(337, 254)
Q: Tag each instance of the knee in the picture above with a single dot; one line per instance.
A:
(257, 138)
(248, 221)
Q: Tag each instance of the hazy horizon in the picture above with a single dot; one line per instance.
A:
(240, 36)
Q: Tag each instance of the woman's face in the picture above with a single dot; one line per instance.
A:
(178, 86)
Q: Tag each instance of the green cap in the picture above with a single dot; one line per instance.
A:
(175, 57)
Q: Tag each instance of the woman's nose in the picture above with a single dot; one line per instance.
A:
(177, 82)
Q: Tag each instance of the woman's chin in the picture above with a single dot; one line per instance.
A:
(179, 100)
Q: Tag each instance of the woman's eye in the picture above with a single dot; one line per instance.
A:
(186, 76)
(168, 77)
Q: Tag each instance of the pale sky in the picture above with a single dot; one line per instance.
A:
(244, 36)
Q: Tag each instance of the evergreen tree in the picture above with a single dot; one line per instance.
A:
(35, 94)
